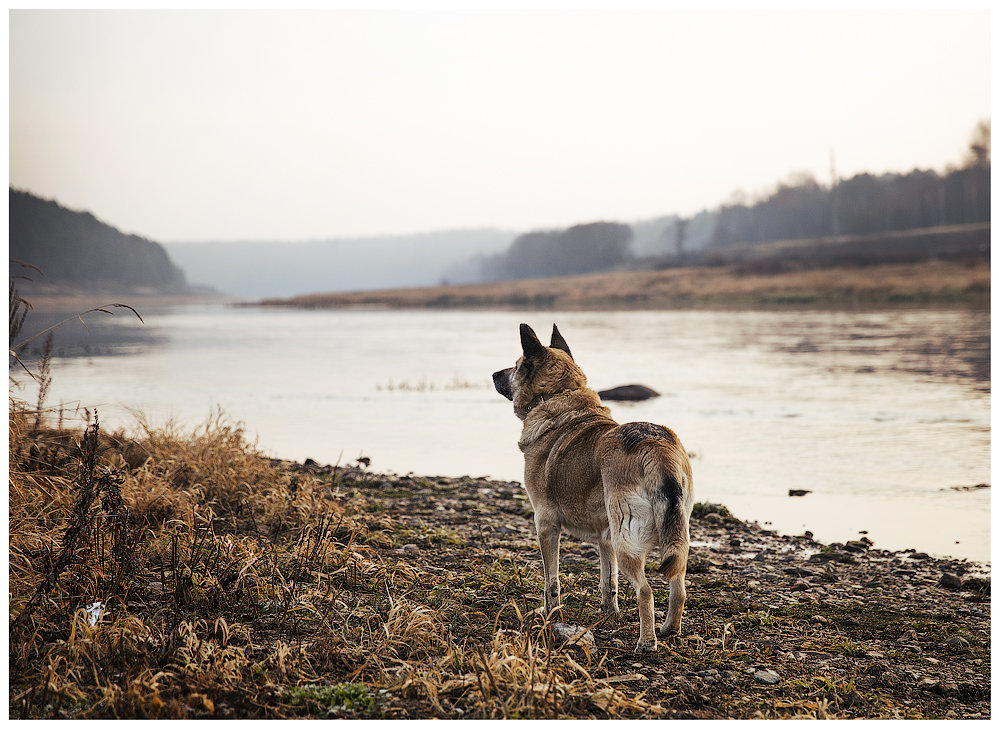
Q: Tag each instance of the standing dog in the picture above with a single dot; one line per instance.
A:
(626, 488)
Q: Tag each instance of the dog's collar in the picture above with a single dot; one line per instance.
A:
(535, 403)
(543, 399)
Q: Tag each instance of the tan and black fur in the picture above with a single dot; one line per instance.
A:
(626, 488)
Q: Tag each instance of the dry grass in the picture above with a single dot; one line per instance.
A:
(928, 282)
(234, 587)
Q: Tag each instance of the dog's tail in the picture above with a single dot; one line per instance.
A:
(672, 515)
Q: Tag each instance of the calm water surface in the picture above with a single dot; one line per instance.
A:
(879, 414)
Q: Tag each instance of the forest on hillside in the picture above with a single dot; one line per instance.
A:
(76, 251)
(800, 208)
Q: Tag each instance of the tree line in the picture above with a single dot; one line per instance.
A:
(580, 249)
(76, 249)
(800, 208)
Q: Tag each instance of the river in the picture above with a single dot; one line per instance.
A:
(882, 416)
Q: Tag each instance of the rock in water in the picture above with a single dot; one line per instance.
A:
(629, 392)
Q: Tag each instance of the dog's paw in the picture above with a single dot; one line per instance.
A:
(611, 609)
(668, 631)
(646, 646)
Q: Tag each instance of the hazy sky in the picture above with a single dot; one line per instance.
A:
(196, 125)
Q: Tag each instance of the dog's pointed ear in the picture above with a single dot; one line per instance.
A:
(558, 342)
(533, 349)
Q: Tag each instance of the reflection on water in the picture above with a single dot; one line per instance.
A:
(947, 344)
(877, 414)
(95, 333)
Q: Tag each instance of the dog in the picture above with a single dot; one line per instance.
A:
(626, 488)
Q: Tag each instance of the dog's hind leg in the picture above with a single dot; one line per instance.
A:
(634, 568)
(678, 593)
(548, 542)
(609, 577)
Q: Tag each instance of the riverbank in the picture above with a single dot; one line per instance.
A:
(926, 283)
(186, 575)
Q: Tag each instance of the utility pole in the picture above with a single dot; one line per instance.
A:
(834, 196)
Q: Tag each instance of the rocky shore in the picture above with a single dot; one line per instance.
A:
(775, 626)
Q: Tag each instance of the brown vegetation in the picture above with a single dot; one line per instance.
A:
(235, 586)
(745, 284)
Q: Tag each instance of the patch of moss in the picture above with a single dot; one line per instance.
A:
(342, 699)
(704, 508)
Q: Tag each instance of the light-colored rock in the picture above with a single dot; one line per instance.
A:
(575, 634)
(766, 676)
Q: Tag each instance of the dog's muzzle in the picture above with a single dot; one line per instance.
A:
(501, 381)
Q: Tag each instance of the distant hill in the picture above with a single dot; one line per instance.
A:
(259, 269)
(77, 253)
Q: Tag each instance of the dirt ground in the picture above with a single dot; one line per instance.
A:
(774, 626)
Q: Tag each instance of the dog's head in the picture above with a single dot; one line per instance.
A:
(539, 373)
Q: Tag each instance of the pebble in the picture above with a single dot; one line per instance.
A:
(578, 635)
(957, 642)
(920, 555)
(410, 548)
(766, 676)
(907, 636)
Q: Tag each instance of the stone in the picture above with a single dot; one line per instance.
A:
(410, 547)
(627, 677)
(628, 393)
(798, 492)
(958, 642)
(575, 634)
(766, 676)
(920, 555)
(909, 635)
(798, 572)
(950, 581)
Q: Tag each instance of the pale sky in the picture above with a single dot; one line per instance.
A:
(197, 125)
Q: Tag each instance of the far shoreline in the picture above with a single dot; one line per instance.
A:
(936, 284)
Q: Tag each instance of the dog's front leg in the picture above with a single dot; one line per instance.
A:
(548, 542)
(609, 577)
